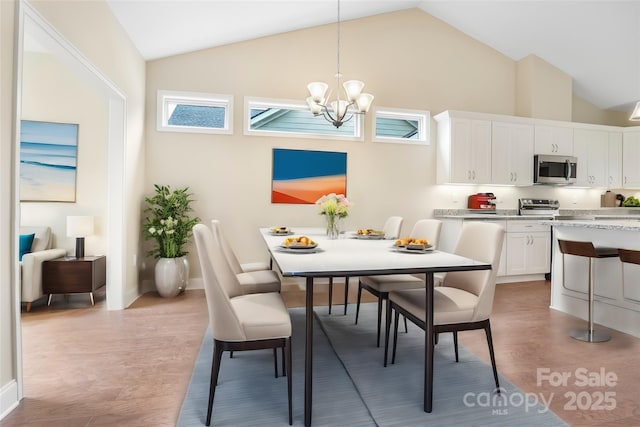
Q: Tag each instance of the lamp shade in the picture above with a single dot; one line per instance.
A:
(79, 226)
(635, 116)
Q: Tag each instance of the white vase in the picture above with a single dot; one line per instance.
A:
(171, 276)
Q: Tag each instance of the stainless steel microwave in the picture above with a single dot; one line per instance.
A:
(552, 169)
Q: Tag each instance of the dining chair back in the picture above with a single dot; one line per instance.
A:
(235, 264)
(465, 299)
(251, 282)
(238, 321)
(428, 229)
(482, 242)
(392, 227)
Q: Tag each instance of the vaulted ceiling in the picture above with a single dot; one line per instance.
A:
(595, 42)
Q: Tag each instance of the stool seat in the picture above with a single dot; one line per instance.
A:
(630, 256)
(588, 250)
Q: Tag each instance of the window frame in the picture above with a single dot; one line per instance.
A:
(422, 116)
(164, 97)
(256, 102)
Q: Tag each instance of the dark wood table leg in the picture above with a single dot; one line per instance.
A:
(428, 344)
(308, 354)
(346, 294)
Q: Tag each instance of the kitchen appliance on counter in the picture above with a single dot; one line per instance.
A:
(539, 207)
(554, 169)
(611, 200)
(483, 201)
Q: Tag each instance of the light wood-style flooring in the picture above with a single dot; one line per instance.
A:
(87, 366)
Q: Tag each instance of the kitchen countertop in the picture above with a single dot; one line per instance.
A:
(618, 224)
(512, 214)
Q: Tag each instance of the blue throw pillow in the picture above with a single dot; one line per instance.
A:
(25, 243)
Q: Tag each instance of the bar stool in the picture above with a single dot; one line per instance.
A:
(586, 249)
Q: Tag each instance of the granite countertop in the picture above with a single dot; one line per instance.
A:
(512, 214)
(614, 224)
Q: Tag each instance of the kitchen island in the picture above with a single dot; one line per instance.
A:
(616, 285)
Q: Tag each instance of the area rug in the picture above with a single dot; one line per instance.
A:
(351, 386)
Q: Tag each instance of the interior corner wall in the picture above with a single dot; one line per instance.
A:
(543, 91)
(585, 112)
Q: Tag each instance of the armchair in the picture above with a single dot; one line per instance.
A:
(31, 264)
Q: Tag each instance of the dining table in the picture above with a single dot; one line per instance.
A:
(355, 255)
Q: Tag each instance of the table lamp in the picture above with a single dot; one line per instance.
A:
(79, 227)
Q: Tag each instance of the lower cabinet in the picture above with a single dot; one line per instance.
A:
(526, 249)
(529, 248)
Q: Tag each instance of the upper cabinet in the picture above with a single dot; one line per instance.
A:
(478, 148)
(614, 162)
(511, 153)
(631, 158)
(591, 147)
(464, 150)
(553, 140)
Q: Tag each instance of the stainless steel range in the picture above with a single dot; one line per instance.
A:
(538, 207)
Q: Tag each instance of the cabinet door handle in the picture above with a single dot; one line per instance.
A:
(468, 174)
(474, 175)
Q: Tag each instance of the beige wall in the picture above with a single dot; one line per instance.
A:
(51, 91)
(585, 112)
(407, 59)
(543, 91)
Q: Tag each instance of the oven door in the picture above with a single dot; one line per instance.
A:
(558, 170)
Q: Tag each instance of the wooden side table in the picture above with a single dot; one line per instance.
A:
(68, 275)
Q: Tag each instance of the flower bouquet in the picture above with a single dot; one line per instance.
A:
(334, 207)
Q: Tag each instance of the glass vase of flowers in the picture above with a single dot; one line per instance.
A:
(334, 207)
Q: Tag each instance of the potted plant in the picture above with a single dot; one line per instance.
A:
(169, 223)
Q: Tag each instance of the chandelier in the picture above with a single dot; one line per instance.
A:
(342, 108)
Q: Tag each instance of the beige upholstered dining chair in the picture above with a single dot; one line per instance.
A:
(238, 321)
(381, 285)
(253, 277)
(465, 299)
(391, 228)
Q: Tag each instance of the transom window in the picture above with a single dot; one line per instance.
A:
(293, 118)
(401, 126)
(194, 112)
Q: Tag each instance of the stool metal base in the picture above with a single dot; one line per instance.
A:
(590, 336)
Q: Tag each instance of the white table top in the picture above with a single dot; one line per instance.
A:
(348, 256)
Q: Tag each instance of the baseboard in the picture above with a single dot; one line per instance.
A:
(148, 285)
(8, 398)
(521, 278)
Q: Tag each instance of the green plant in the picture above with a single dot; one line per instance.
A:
(169, 221)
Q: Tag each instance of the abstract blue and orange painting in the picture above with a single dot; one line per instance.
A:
(303, 176)
(48, 160)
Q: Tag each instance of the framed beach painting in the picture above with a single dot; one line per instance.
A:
(48, 161)
(303, 176)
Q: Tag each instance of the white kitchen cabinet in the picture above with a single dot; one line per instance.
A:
(591, 147)
(631, 158)
(553, 140)
(464, 150)
(529, 253)
(512, 153)
(614, 165)
(529, 248)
